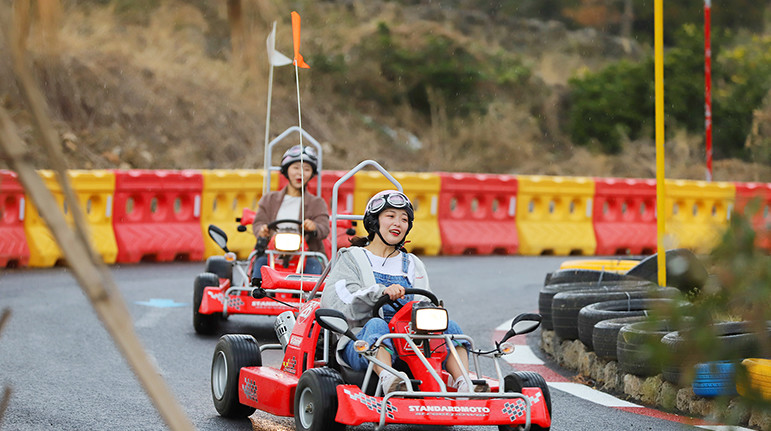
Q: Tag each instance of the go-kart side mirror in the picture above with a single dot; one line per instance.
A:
(522, 324)
(219, 236)
(334, 321)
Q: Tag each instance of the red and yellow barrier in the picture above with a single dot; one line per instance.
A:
(554, 215)
(157, 215)
(225, 194)
(758, 195)
(697, 213)
(94, 190)
(477, 214)
(423, 191)
(14, 251)
(624, 216)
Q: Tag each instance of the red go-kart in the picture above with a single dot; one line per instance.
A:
(321, 394)
(217, 294)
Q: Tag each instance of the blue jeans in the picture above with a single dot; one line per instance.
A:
(312, 266)
(374, 329)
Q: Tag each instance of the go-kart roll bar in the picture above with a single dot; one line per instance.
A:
(334, 216)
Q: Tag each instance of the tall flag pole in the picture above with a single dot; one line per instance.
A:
(299, 62)
(708, 85)
(661, 215)
(275, 59)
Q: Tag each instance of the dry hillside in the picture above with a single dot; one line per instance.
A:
(164, 90)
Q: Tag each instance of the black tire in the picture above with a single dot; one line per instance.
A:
(514, 382)
(581, 276)
(599, 311)
(233, 352)
(220, 266)
(566, 305)
(735, 341)
(315, 400)
(546, 295)
(684, 270)
(635, 347)
(605, 335)
(204, 324)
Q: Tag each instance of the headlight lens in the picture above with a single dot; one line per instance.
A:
(287, 241)
(429, 319)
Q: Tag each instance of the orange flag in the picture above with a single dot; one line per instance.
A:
(298, 59)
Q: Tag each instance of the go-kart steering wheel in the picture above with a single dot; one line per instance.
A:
(273, 225)
(385, 299)
(262, 242)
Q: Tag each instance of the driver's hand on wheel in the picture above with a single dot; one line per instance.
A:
(264, 231)
(309, 225)
(394, 292)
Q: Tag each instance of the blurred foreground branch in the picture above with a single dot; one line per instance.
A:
(7, 391)
(87, 268)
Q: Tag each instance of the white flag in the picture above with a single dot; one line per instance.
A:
(274, 57)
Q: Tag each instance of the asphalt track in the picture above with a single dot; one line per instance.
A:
(66, 373)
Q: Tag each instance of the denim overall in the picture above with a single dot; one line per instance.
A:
(376, 327)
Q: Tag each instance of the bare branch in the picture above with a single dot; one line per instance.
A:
(91, 273)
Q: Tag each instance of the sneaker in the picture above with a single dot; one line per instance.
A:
(462, 386)
(391, 383)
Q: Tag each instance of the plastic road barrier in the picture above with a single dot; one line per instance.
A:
(423, 191)
(477, 214)
(158, 215)
(697, 213)
(758, 197)
(14, 251)
(624, 216)
(225, 194)
(554, 215)
(94, 190)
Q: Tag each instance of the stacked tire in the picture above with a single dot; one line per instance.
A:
(573, 280)
(735, 341)
(567, 305)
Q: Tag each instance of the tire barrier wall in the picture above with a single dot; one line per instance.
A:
(94, 190)
(562, 216)
(477, 214)
(697, 213)
(158, 215)
(746, 193)
(14, 251)
(554, 216)
(225, 194)
(624, 216)
(423, 191)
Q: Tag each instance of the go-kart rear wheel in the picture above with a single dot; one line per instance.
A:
(220, 266)
(233, 352)
(315, 400)
(514, 382)
(204, 324)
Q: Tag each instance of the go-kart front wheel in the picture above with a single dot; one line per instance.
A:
(233, 352)
(315, 400)
(204, 323)
(220, 266)
(514, 382)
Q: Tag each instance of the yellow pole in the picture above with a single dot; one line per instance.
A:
(658, 22)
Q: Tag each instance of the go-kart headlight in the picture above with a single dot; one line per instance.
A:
(428, 318)
(287, 241)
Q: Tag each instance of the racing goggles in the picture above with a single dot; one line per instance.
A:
(296, 150)
(394, 199)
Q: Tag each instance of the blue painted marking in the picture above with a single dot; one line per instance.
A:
(162, 303)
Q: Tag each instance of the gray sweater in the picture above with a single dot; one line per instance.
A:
(351, 288)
